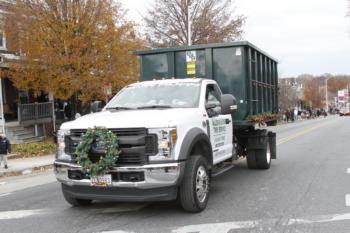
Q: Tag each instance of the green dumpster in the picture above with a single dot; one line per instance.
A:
(240, 69)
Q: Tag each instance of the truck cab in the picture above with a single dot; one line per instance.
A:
(174, 135)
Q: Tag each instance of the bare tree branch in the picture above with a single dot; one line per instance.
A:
(212, 21)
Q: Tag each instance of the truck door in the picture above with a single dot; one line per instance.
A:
(220, 126)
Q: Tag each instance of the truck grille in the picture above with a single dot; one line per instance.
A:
(135, 145)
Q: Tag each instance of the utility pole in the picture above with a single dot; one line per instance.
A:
(189, 33)
(327, 95)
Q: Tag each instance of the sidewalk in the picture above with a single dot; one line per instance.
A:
(26, 165)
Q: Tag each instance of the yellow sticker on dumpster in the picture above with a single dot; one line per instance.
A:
(191, 68)
(191, 58)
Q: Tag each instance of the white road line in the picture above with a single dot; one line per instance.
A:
(228, 226)
(116, 232)
(2, 183)
(7, 215)
(348, 170)
(217, 227)
(4, 194)
(321, 219)
(347, 199)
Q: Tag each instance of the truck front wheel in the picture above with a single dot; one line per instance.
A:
(74, 201)
(194, 190)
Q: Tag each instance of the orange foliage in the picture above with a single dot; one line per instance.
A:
(313, 93)
(72, 47)
(338, 83)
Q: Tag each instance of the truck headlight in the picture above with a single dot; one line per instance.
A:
(60, 154)
(167, 138)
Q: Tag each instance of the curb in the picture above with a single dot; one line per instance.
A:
(19, 156)
(26, 171)
(14, 156)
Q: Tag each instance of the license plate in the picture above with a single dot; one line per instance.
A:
(104, 181)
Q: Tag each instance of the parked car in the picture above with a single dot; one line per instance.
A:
(344, 111)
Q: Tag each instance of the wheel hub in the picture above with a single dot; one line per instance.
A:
(202, 184)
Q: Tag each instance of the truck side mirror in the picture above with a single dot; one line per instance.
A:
(228, 104)
(210, 106)
(97, 106)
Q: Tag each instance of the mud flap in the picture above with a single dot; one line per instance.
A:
(272, 142)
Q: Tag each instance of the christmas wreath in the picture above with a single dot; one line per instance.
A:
(108, 141)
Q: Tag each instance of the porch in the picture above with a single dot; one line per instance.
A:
(33, 121)
(24, 116)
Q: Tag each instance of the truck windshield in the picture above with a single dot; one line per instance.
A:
(164, 95)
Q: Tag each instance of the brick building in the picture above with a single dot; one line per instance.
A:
(23, 116)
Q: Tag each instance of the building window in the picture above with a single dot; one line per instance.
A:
(2, 40)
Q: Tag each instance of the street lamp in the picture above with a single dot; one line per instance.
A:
(327, 94)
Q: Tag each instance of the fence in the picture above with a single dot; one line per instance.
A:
(34, 112)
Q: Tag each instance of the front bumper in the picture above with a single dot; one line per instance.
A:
(157, 177)
(121, 194)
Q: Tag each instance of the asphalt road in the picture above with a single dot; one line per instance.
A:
(305, 190)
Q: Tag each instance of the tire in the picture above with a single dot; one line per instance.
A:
(263, 158)
(194, 190)
(251, 159)
(75, 201)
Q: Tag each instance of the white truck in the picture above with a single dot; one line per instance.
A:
(174, 135)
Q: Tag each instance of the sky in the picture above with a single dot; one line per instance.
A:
(305, 36)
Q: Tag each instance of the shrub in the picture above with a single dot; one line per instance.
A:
(35, 148)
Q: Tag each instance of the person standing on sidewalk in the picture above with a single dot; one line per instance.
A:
(296, 114)
(5, 147)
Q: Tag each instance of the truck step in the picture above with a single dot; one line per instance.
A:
(221, 170)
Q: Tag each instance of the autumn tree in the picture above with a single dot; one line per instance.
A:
(211, 21)
(314, 93)
(71, 47)
(337, 83)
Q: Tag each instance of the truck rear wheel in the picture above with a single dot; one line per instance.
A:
(251, 159)
(263, 158)
(74, 201)
(259, 158)
(194, 190)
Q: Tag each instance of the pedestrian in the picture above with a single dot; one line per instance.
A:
(291, 115)
(295, 114)
(287, 115)
(67, 111)
(318, 112)
(5, 147)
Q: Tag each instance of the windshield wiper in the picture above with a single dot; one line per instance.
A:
(119, 108)
(154, 106)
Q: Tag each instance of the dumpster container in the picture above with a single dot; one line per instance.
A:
(240, 69)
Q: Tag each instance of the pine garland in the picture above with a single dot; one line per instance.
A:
(108, 141)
